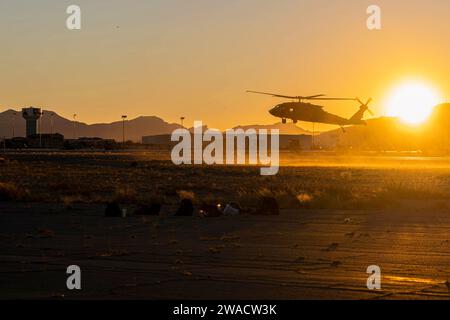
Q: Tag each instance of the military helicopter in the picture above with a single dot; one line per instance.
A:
(304, 111)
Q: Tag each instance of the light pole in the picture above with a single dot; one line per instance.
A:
(40, 129)
(51, 122)
(74, 126)
(14, 124)
(182, 120)
(123, 131)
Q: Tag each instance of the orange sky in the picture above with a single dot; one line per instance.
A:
(195, 59)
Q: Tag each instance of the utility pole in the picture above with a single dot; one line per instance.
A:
(182, 120)
(14, 124)
(123, 131)
(40, 129)
(74, 126)
(51, 122)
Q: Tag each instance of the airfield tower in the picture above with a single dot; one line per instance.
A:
(31, 115)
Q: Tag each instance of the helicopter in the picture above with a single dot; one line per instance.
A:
(304, 111)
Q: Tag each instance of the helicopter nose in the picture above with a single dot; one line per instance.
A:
(273, 111)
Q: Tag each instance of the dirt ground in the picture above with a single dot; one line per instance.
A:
(305, 253)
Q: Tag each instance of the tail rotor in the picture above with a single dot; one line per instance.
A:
(365, 106)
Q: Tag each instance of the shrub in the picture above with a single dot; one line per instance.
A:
(10, 192)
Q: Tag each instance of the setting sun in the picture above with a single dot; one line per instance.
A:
(412, 102)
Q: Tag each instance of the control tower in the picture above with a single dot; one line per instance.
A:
(31, 115)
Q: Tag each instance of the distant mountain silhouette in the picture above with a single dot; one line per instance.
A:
(379, 134)
(6, 124)
(390, 134)
(384, 134)
(135, 128)
(289, 128)
(437, 130)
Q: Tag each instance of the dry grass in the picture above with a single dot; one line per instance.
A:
(125, 194)
(11, 192)
(96, 178)
(427, 189)
(183, 194)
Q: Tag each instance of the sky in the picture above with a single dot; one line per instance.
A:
(196, 59)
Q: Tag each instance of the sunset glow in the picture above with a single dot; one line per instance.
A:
(412, 102)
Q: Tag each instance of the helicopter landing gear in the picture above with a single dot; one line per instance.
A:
(343, 130)
(284, 121)
(294, 121)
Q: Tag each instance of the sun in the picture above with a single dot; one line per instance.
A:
(412, 102)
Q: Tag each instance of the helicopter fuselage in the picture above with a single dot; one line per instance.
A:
(301, 111)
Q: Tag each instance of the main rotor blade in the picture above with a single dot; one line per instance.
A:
(335, 99)
(289, 97)
(273, 94)
(312, 97)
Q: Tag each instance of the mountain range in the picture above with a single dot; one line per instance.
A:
(135, 128)
(380, 133)
(390, 134)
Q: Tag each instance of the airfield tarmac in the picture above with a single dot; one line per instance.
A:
(305, 253)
